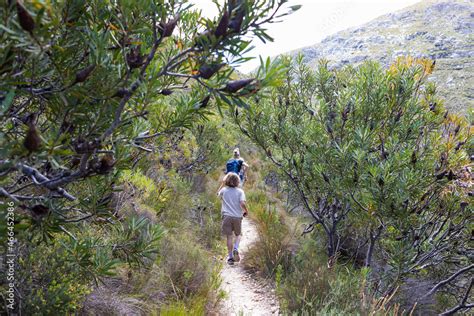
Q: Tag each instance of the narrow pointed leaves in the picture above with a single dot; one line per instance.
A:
(203, 39)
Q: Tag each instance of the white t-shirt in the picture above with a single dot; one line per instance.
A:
(231, 198)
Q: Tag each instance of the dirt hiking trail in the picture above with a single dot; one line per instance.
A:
(246, 295)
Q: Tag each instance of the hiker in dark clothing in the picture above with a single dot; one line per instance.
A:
(237, 165)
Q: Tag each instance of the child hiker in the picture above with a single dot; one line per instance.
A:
(233, 210)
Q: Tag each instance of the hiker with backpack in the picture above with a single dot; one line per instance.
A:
(233, 209)
(237, 165)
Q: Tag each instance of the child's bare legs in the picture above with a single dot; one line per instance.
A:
(237, 241)
(231, 245)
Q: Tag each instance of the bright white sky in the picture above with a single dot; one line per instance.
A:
(313, 22)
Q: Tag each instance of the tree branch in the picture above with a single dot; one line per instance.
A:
(446, 281)
(462, 304)
(5, 193)
(35, 175)
(358, 203)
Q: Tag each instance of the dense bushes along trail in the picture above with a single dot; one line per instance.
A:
(245, 294)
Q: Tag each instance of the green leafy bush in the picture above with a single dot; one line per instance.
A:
(87, 90)
(377, 164)
(52, 281)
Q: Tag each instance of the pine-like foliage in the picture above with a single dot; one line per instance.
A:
(376, 163)
(87, 89)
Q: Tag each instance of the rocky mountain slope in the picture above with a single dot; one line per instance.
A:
(437, 29)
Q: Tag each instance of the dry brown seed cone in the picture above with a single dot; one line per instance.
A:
(235, 23)
(121, 93)
(207, 71)
(204, 102)
(83, 74)
(166, 91)
(106, 163)
(236, 85)
(413, 158)
(134, 59)
(32, 140)
(166, 29)
(40, 210)
(26, 21)
(221, 29)
(451, 175)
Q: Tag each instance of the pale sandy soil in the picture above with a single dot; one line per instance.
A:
(245, 294)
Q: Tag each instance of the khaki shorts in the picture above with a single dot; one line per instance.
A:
(231, 224)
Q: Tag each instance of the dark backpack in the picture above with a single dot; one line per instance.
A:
(233, 165)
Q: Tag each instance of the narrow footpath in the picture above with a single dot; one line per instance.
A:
(245, 294)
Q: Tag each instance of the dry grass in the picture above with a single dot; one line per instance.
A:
(113, 298)
(275, 245)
